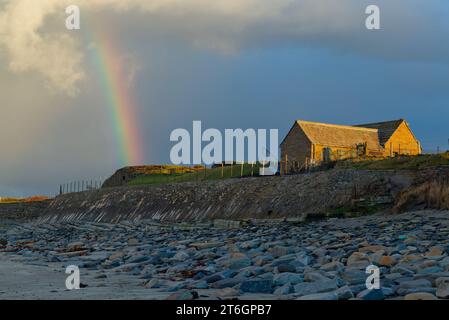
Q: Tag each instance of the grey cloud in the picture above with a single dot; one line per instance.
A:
(409, 29)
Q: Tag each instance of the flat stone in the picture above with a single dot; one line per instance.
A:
(358, 259)
(137, 259)
(420, 283)
(307, 288)
(206, 245)
(200, 285)
(257, 286)
(284, 290)
(152, 283)
(183, 295)
(435, 251)
(226, 293)
(72, 253)
(387, 261)
(263, 260)
(181, 256)
(239, 263)
(430, 270)
(404, 292)
(280, 251)
(116, 255)
(133, 242)
(401, 270)
(214, 278)
(332, 266)
(287, 277)
(372, 248)
(420, 296)
(227, 283)
(286, 267)
(374, 294)
(354, 277)
(442, 285)
(320, 296)
(314, 276)
(76, 246)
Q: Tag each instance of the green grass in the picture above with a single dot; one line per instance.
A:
(397, 163)
(204, 175)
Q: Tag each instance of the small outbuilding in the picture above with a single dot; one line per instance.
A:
(310, 143)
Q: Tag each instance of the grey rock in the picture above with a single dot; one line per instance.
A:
(421, 283)
(353, 277)
(314, 276)
(374, 294)
(287, 277)
(307, 288)
(181, 256)
(320, 296)
(332, 266)
(286, 267)
(184, 295)
(239, 263)
(227, 283)
(257, 286)
(284, 290)
(138, 259)
(442, 288)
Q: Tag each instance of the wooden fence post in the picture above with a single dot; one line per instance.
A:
(286, 164)
(281, 168)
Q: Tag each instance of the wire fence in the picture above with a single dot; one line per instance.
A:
(80, 186)
(327, 159)
(218, 171)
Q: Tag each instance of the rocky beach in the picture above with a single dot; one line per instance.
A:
(317, 260)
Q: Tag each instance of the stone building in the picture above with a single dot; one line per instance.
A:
(310, 143)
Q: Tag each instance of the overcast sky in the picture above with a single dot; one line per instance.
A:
(229, 63)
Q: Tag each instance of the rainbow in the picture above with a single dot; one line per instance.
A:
(120, 103)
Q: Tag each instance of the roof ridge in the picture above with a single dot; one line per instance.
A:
(299, 121)
(380, 122)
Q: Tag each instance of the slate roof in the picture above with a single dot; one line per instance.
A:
(340, 136)
(386, 128)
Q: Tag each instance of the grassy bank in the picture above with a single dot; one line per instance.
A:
(402, 162)
(205, 174)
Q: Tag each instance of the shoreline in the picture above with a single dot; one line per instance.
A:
(322, 260)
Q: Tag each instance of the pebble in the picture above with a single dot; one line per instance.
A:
(371, 294)
(307, 288)
(257, 286)
(287, 277)
(183, 295)
(420, 296)
(387, 261)
(442, 287)
(239, 263)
